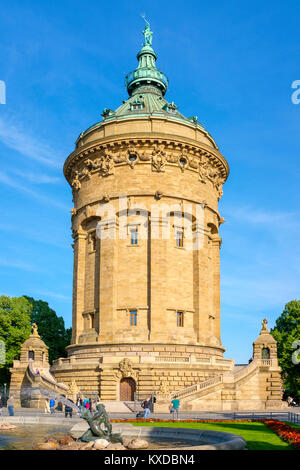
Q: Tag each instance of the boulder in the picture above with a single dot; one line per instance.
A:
(87, 446)
(66, 440)
(126, 442)
(7, 427)
(101, 443)
(135, 444)
(116, 446)
(46, 446)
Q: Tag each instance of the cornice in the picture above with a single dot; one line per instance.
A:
(161, 144)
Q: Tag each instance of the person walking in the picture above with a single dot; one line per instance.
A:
(146, 405)
(1, 406)
(10, 405)
(174, 407)
(52, 405)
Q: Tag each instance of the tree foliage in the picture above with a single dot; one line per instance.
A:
(15, 328)
(286, 332)
(51, 328)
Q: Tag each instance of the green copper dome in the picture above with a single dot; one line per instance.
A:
(146, 73)
(146, 87)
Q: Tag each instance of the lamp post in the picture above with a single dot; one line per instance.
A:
(5, 400)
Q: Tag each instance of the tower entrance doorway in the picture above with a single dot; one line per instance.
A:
(127, 389)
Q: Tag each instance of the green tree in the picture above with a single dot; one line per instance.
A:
(286, 332)
(15, 328)
(51, 328)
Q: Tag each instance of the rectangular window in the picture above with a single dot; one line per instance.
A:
(134, 236)
(179, 238)
(133, 317)
(179, 318)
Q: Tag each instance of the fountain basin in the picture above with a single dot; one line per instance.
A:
(158, 438)
(177, 438)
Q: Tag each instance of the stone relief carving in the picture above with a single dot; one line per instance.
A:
(132, 156)
(158, 195)
(172, 158)
(120, 157)
(164, 389)
(125, 369)
(76, 185)
(186, 158)
(203, 169)
(183, 160)
(209, 172)
(159, 158)
(106, 164)
(105, 198)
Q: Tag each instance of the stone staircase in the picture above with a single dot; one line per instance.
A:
(116, 407)
(201, 389)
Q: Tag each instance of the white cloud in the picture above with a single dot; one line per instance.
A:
(260, 216)
(54, 295)
(5, 179)
(17, 139)
(37, 178)
(8, 263)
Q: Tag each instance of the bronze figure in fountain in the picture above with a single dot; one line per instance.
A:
(100, 426)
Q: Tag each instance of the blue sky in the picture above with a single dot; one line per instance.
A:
(230, 63)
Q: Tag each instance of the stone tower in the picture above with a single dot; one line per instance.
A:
(146, 182)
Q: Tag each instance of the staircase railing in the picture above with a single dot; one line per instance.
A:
(198, 387)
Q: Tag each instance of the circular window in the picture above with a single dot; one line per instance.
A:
(132, 157)
(183, 161)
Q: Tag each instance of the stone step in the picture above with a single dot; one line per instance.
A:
(115, 407)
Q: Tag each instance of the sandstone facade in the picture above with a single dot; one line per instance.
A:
(146, 292)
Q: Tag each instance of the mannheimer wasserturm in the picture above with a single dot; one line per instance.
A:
(146, 182)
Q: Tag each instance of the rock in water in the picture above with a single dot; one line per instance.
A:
(138, 444)
(7, 427)
(87, 446)
(66, 440)
(46, 446)
(100, 443)
(115, 446)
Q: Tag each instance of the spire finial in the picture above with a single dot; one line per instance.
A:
(264, 326)
(35, 330)
(147, 32)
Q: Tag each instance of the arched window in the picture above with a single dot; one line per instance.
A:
(265, 353)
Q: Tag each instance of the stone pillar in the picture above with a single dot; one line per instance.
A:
(78, 284)
(108, 281)
(108, 385)
(158, 276)
(216, 320)
(201, 285)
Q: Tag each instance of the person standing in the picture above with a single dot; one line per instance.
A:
(91, 405)
(68, 409)
(86, 403)
(79, 402)
(47, 406)
(10, 405)
(52, 405)
(146, 405)
(175, 403)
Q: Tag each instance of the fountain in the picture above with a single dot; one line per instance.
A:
(96, 431)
